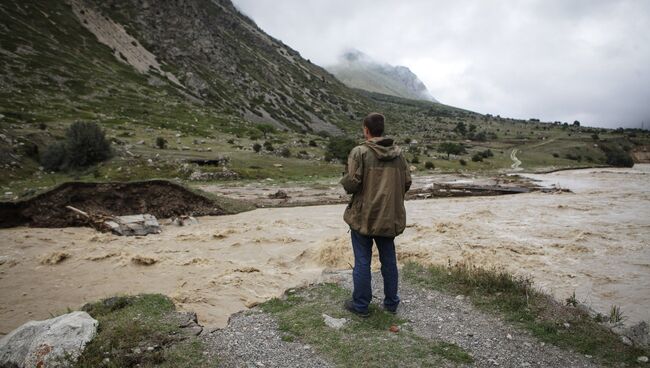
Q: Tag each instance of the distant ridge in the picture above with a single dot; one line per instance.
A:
(358, 70)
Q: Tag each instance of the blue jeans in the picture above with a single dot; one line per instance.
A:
(362, 247)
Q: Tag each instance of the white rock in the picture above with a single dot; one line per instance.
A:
(135, 225)
(335, 323)
(642, 359)
(509, 336)
(46, 343)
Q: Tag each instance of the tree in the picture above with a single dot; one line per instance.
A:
(451, 148)
(576, 123)
(266, 129)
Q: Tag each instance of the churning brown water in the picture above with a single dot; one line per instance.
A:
(594, 241)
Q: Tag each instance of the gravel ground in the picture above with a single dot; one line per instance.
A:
(252, 338)
(489, 340)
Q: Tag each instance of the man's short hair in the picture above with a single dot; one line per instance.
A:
(375, 124)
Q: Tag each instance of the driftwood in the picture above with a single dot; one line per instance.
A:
(97, 222)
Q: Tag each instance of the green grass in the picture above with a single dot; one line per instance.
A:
(138, 322)
(362, 342)
(515, 299)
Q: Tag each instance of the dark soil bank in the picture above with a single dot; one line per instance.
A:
(157, 197)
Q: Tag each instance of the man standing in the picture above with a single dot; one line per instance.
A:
(378, 177)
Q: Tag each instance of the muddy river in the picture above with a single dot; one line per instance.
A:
(594, 241)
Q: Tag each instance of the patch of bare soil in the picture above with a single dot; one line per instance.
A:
(157, 197)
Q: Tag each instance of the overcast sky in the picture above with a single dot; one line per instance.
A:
(566, 60)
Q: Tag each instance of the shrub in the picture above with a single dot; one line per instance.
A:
(268, 146)
(53, 159)
(257, 147)
(487, 153)
(556, 155)
(285, 152)
(429, 165)
(42, 126)
(85, 145)
(415, 160)
(266, 129)
(463, 162)
(477, 157)
(312, 143)
(339, 148)
(230, 141)
(617, 156)
(407, 140)
(161, 143)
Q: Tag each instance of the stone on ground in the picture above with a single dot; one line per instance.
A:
(335, 323)
(46, 343)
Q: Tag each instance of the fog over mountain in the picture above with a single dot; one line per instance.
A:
(553, 60)
(358, 70)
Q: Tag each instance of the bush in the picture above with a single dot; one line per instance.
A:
(617, 156)
(463, 162)
(266, 129)
(53, 159)
(415, 160)
(257, 147)
(477, 157)
(487, 153)
(268, 146)
(85, 145)
(429, 165)
(339, 148)
(161, 143)
(285, 152)
(312, 143)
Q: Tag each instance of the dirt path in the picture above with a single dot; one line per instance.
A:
(515, 161)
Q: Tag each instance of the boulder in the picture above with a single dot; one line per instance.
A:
(47, 343)
(134, 225)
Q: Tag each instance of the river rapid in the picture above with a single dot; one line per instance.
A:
(593, 241)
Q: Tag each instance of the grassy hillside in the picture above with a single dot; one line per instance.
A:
(231, 78)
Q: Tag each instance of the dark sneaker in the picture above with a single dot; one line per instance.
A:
(392, 310)
(350, 307)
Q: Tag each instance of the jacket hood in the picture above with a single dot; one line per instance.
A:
(384, 148)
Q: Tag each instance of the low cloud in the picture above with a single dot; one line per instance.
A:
(584, 60)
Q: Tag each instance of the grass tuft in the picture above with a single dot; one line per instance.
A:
(139, 331)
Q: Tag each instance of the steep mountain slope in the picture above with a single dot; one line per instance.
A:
(358, 70)
(133, 58)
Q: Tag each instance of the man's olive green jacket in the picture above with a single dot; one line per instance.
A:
(378, 177)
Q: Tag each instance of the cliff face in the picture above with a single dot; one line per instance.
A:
(358, 70)
(203, 51)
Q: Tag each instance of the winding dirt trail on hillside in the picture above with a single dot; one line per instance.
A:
(594, 241)
(515, 161)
